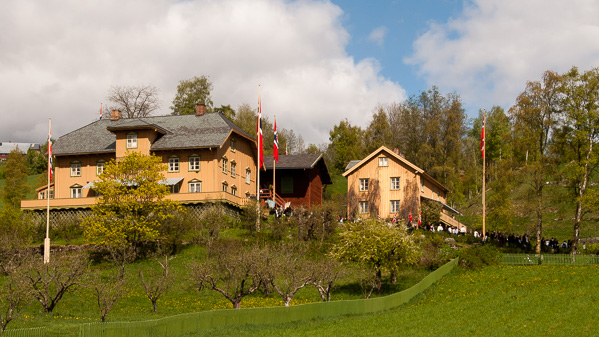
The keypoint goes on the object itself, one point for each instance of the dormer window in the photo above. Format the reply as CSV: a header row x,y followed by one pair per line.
x,y
132,140
76,191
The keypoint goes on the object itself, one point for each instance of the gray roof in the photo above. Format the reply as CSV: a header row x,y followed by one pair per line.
x,y
6,147
178,132
299,161
351,164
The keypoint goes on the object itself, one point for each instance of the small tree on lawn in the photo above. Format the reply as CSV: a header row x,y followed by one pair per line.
x,y
49,282
156,282
108,290
15,295
325,272
133,203
233,271
375,245
290,271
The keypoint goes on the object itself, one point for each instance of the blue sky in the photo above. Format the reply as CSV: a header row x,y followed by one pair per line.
x,y
317,62
386,30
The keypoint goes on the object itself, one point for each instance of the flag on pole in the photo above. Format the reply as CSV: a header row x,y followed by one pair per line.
x,y
259,132
275,149
419,219
286,148
482,138
410,217
100,111
50,161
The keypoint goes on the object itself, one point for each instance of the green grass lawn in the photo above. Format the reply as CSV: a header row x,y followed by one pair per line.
x,y
495,301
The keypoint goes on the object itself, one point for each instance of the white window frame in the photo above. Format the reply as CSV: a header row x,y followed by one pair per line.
x,y
76,169
76,192
395,184
234,190
132,140
194,163
364,184
225,164
233,168
363,207
394,206
173,164
195,186
225,187
248,176
383,161
100,167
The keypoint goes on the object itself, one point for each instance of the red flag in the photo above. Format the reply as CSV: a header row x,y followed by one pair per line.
x,y
419,219
50,161
286,148
482,139
100,111
259,132
275,149
410,218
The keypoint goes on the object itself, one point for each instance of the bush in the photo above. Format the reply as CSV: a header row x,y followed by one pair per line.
x,y
478,256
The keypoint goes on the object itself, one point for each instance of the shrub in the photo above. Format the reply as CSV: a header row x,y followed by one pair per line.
x,y
478,256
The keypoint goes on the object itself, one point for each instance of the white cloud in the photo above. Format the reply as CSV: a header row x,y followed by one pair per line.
x,y
59,58
378,35
493,48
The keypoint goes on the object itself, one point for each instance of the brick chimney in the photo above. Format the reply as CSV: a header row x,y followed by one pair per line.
x,y
396,151
115,115
200,109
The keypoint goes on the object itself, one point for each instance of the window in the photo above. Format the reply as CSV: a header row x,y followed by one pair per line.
x,y
248,175
42,195
174,188
233,169
76,191
394,206
363,207
394,183
234,190
194,163
132,140
225,165
383,161
225,187
76,169
99,167
173,164
364,184
287,184
195,186
233,145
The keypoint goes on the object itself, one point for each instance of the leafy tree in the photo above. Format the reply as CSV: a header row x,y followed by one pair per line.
x,y
134,101
15,186
374,244
133,205
577,136
36,162
346,145
226,110
190,93
378,132
535,115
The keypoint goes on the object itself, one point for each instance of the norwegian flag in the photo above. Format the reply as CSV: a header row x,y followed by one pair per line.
x,y
419,219
275,149
395,218
50,161
259,133
482,138
410,217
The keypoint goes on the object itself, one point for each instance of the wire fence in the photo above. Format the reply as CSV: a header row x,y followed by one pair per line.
x,y
185,324
25,332
550,259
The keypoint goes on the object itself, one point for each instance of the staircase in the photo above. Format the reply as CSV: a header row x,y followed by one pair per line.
x,y
268,194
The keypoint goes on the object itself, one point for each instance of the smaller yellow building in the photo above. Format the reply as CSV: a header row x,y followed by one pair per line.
x,y
385,184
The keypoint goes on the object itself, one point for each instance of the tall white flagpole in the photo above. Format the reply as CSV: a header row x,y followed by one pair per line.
x,y
47,239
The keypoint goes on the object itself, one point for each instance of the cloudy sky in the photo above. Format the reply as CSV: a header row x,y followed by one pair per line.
x,y
317,62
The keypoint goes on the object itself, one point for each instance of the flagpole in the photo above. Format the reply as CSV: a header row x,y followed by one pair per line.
x,y
258,161
47,239
484,183
274,166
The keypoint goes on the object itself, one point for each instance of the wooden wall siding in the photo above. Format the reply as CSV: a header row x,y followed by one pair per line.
x,y
210,173
307,186
380,179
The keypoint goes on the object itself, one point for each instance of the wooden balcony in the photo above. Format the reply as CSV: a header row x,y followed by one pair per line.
x,y
184,198
451,221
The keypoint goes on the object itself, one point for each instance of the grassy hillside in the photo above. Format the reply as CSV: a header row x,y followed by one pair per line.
x,y
32,181
496,301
